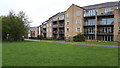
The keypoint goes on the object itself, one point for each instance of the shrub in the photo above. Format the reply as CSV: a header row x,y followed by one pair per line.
x,y
79,37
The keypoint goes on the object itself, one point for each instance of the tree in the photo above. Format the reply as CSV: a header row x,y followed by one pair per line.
x,y
14,27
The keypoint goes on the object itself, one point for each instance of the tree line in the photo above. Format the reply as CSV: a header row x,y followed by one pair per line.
x,y
15,26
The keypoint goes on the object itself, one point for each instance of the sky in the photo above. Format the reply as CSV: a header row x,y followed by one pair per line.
x,y
40,10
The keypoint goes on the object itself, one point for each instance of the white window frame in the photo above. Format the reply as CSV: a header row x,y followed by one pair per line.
x,y
68,30
106,10
77,29
67,23
78,21
50,30
50,35
67,15
50,23
47,25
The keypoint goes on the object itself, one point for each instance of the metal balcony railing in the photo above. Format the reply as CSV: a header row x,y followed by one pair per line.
x,y
92,24
88,15
87,32
105,33
62,17
55,32
43,26
106,13
55,26
105,23
43,31
61,32
61,25
55,19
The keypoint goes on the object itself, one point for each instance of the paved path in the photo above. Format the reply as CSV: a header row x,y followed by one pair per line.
x,y
76,43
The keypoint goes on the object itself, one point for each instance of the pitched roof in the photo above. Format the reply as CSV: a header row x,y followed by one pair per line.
x,y
103,5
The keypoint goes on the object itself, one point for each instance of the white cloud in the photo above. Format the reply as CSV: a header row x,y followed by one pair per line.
x,y
41,10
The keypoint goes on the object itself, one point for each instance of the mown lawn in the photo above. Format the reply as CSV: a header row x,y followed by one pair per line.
x,y
56,54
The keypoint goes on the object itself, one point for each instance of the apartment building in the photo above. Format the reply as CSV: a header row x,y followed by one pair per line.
x,y
99,22
44,29
33,32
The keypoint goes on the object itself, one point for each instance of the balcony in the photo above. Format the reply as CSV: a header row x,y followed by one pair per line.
x,y
43,31
104,33
89,25
88,32
105,23
61,32
62,25
55,32
106,13
55,19
43,26
89,15
62,17
55,26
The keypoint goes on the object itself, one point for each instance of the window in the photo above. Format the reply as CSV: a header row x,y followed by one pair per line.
x,y
67,23
107,21
119,19
50,35
119,29
50,23
90,22
107,38
78,13
78,21
90,30
91,12
90,37
67,29
107,10
78,30
67,15
106,30
50,30
47,25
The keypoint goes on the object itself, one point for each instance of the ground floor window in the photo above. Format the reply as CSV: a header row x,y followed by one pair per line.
x,y
106,38
90,37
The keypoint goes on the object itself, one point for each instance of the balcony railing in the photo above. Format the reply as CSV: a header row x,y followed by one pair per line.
x,y
55,19
106,13
62,25
92,24
43,26
62,17
88,15
87,32
55,32
61,32
101,13
43,31
105,33
106,23
55,26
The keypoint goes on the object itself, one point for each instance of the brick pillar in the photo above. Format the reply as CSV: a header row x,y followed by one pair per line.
x,y
96,22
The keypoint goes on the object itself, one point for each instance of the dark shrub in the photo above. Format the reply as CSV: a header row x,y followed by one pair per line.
x,y
79,37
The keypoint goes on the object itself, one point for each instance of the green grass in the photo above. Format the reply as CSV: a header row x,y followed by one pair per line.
x,y
0,53
56,54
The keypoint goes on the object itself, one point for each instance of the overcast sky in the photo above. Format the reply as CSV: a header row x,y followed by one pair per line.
x,y
40,10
